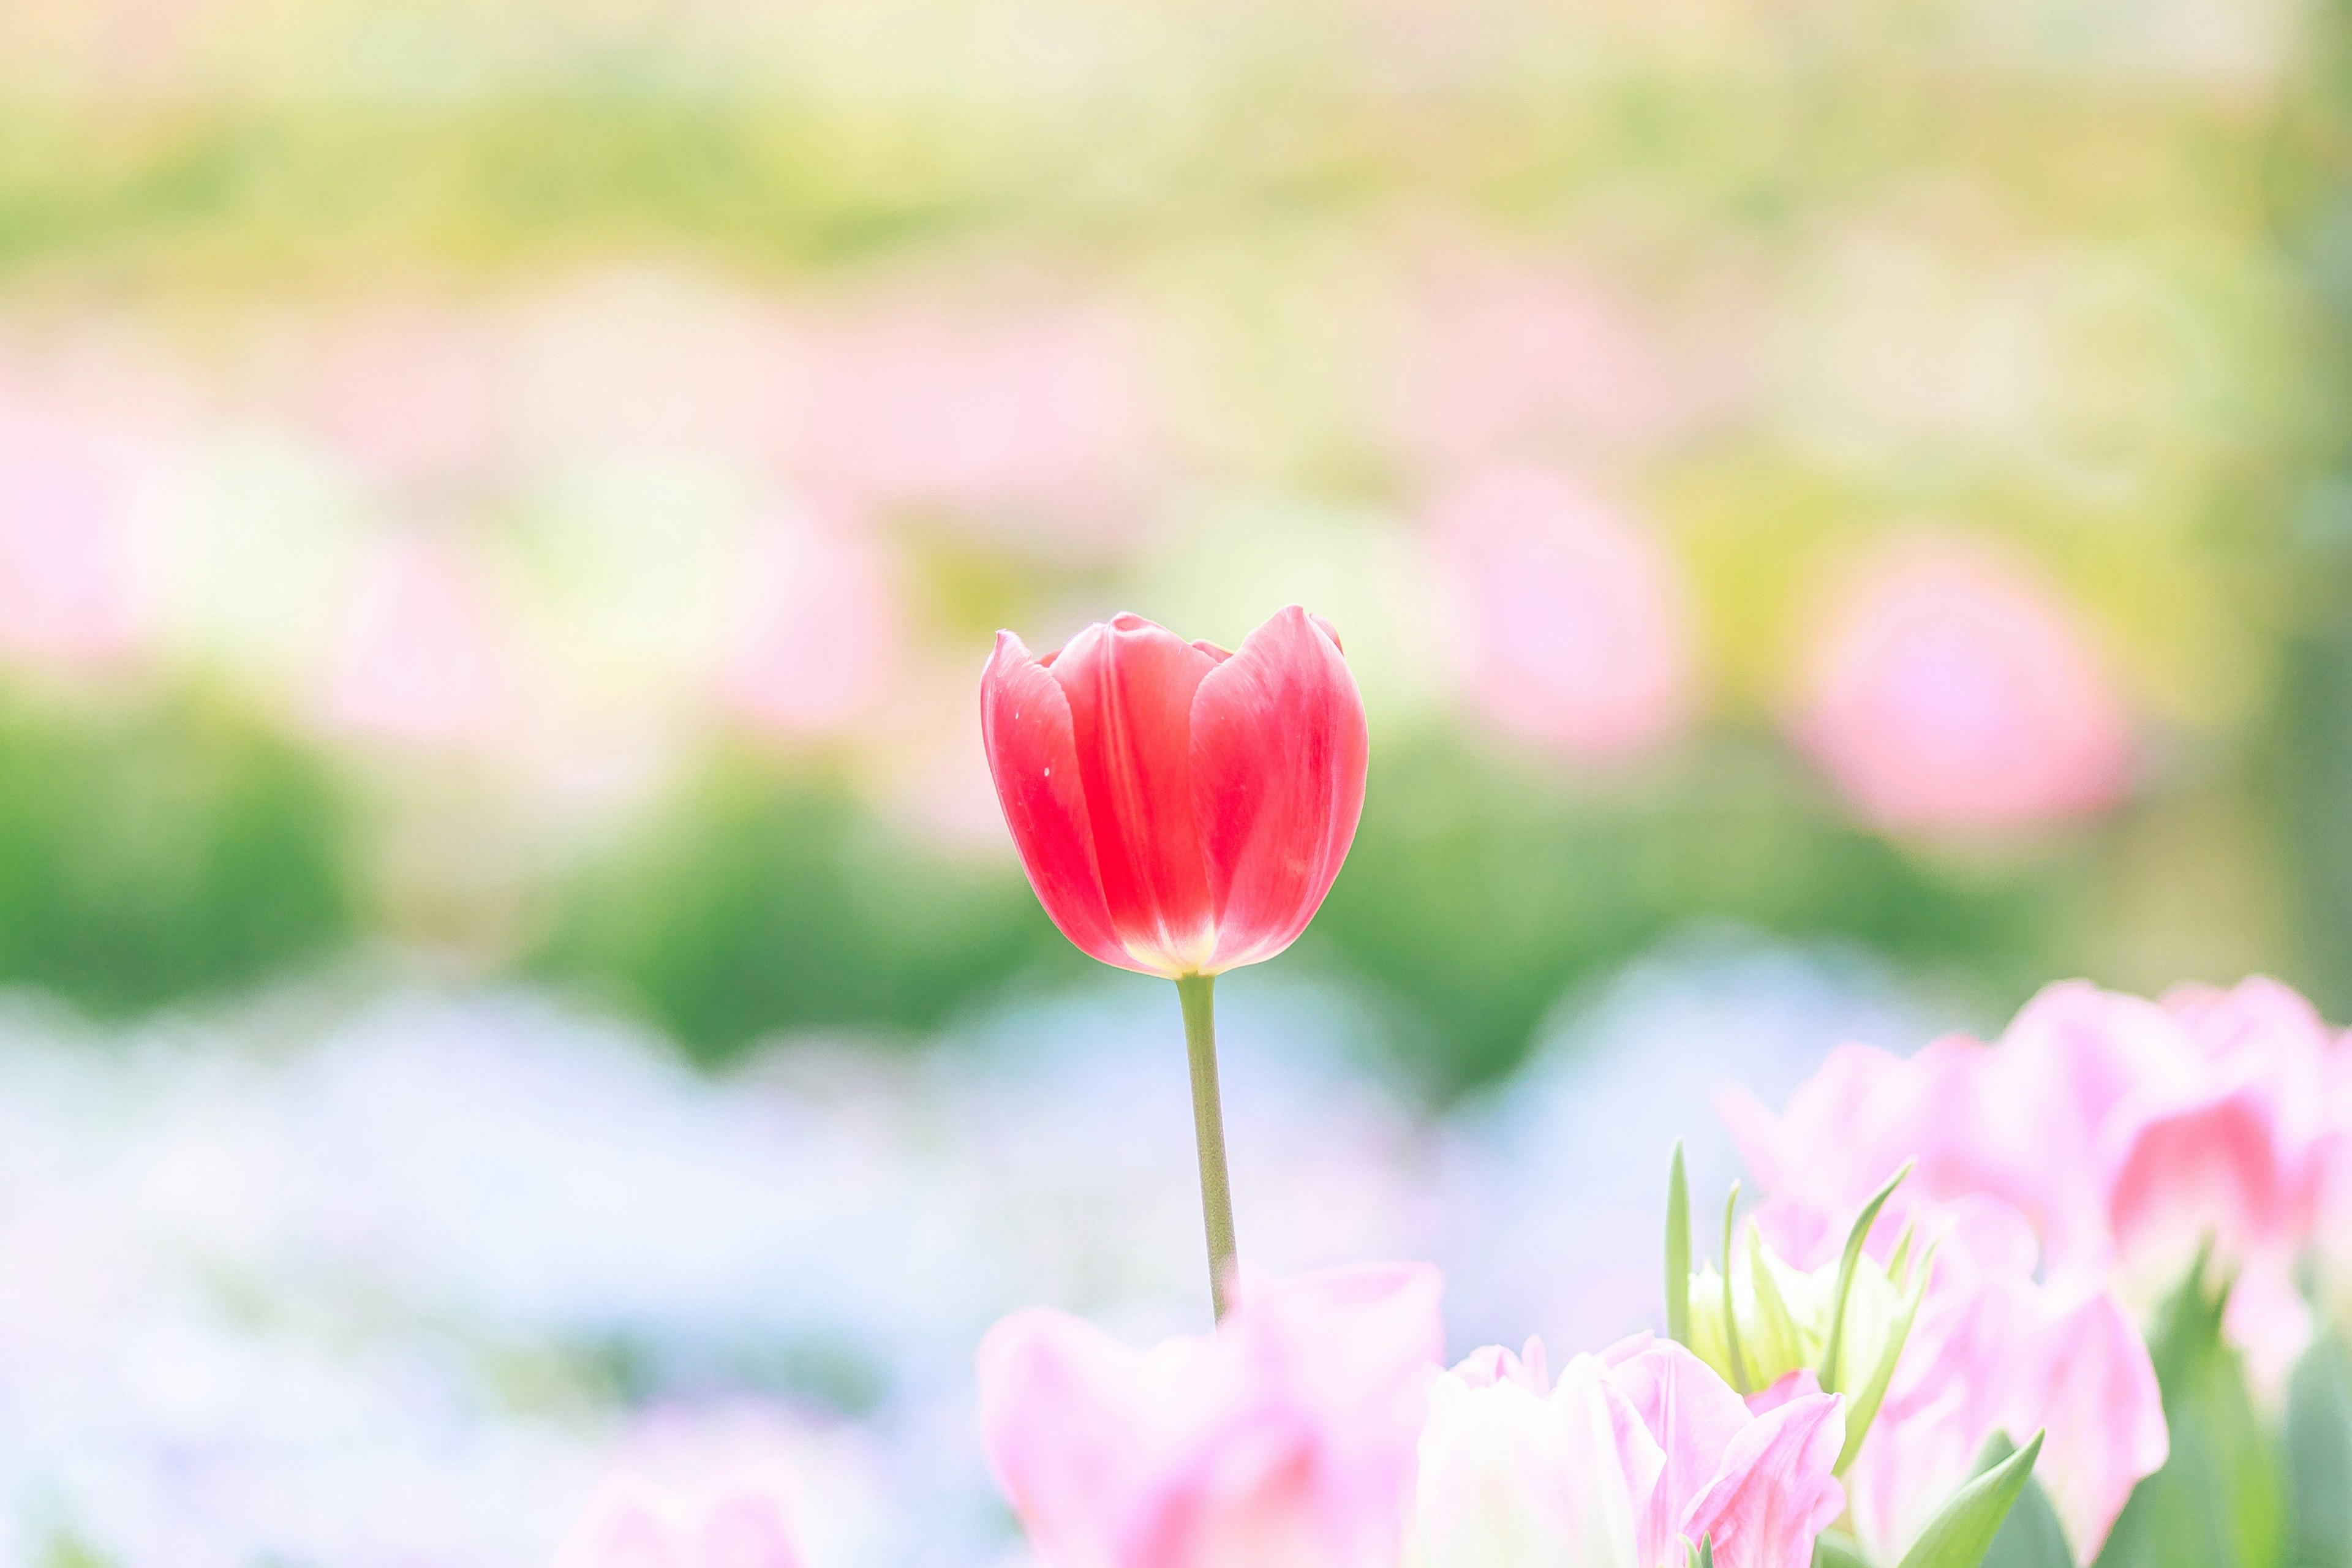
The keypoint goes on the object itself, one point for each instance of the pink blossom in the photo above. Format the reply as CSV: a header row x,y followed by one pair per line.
x,y
426,656
1945,689
412,392
739,1522
1285,1438
815,643
1994,1351
2129,1133
72,491
1635,1456
1571,621
942,407
1506,356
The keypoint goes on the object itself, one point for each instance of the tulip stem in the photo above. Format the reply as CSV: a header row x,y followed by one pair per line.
x,y
1197,991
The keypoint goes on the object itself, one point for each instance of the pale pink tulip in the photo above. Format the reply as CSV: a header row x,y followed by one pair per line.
x,y
412,392
735,1523
1638,1454
1948,691
72,491
1999,1352
1571,621
2130,1135
1284,1440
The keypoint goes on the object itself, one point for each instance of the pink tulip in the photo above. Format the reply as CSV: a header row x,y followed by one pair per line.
x,y
1284,1440
2130,1135
1636,1455
1947,690
1181,810
1999,1352
72,489
745,1522
1571,620
817,639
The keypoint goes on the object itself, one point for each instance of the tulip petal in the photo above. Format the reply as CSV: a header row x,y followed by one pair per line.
x,y
1691,1414
1279,749
1026,728
1130,686
1774,1491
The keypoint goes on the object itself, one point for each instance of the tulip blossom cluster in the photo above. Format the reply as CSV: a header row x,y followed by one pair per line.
x,y
1316,1428
2127,1136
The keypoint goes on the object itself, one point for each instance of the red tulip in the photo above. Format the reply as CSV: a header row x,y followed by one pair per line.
x,y
1181,810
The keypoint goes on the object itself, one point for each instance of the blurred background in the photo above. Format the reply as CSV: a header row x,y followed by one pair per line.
x,y
1840,513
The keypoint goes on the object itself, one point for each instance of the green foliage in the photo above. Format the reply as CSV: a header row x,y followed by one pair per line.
x,y
1836,1548
2030,1537
2319,1456
768,902
2216,1502
172,850
1963,1530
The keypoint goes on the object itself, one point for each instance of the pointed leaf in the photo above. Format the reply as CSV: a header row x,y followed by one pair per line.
x,y
2030,1537
1960,1535
1836,1548
1677,1250
1861,1409
1847,1264
2319,1454
1739,1378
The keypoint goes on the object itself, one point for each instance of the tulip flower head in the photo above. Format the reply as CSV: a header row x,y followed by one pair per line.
x,y
1285,1439
1635,1456
1180,811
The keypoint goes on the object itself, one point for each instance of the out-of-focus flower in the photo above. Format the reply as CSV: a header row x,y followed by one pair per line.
x,y
1781,1317
1180,810
1946,691
412,394
1040,415
1507,357
1570,620
1634,1457
74,493
426,658
738,1522
815,643
2130,1133
1288,1436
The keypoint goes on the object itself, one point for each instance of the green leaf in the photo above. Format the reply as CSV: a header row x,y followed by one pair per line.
x,y
2319,1456
1960,1535
1702,1554
1739,1379
1836,1548
1861,1409
2030,1537
1677,1250
1846,1266
2217,1502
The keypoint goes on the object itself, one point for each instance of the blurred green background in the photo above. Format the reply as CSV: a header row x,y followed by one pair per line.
x,y
518,488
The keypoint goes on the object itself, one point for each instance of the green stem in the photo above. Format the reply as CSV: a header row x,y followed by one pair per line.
x,y
1196,992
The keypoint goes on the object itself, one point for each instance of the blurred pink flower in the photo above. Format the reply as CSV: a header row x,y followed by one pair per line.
x,y
2130,1133
1637,1455
1503,357
425,657
71,490
1026,411
412,392
1571,620
741,1522
1286,1438
1943,689
815,645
